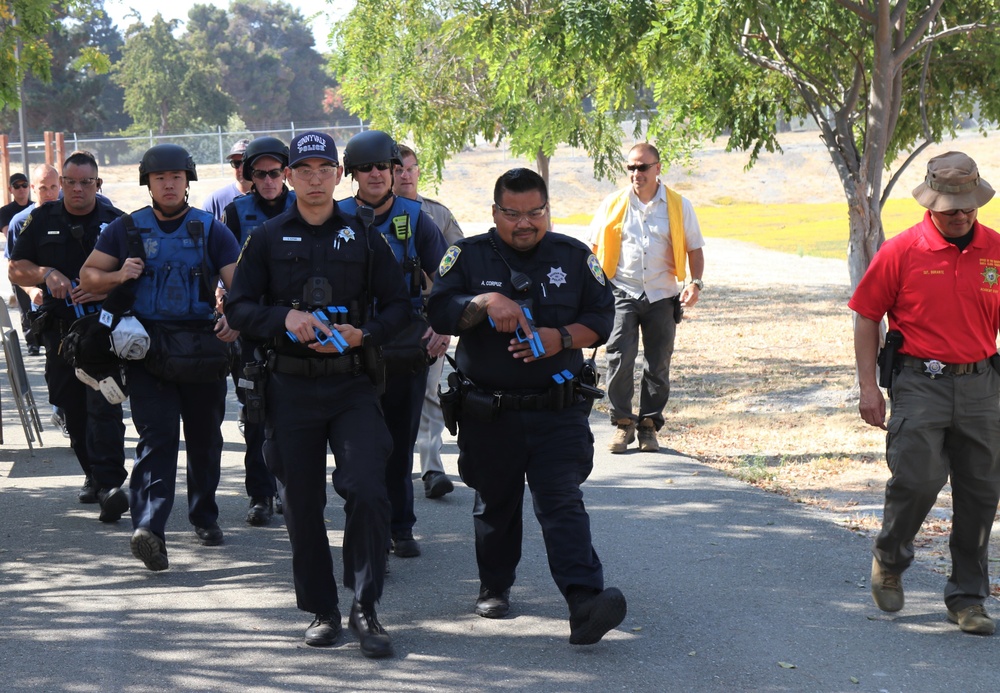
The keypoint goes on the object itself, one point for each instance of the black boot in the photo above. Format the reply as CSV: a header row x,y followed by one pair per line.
x,y
374,640
593,613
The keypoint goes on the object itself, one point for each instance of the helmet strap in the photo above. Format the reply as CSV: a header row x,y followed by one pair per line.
x,y
375,205
183,209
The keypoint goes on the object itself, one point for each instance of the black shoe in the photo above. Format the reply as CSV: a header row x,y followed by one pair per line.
x,y
405,546
209,536
88,492
374,640
279,507
150,549
493,603
593,614
34,350
114,504
260,512
324,630
437,484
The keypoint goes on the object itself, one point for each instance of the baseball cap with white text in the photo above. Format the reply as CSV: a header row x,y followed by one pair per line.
x,y
312,145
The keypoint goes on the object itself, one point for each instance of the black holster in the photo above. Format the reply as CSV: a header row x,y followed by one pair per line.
x,y
374,367
888,358
451,403
253,381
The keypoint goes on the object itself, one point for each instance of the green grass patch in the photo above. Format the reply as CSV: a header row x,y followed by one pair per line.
x,y
819,230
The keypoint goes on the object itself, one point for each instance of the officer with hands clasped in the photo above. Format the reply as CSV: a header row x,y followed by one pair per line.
x,y
53,244
523,410
176,253
312,262
264,162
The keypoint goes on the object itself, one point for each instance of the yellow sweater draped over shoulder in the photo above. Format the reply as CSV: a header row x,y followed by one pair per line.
x,y
609,243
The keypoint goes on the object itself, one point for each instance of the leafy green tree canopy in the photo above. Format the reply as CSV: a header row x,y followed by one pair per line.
x,y
534,73
166,87
26,28
881,79
263,55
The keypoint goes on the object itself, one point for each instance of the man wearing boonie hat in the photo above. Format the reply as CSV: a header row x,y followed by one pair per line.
x,y
939,283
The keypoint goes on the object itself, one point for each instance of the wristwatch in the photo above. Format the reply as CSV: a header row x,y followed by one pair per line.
x,y
567,338
699,283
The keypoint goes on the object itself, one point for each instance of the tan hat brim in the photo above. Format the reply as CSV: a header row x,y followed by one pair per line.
x,y
937,201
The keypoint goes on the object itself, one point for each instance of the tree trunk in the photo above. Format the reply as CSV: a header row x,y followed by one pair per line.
x,y
866,233
542,164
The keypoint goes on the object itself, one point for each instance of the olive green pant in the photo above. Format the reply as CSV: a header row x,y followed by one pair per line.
x,y
948,426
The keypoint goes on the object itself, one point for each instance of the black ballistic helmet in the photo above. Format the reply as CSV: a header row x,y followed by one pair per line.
x,y
263,146
166,157
371,147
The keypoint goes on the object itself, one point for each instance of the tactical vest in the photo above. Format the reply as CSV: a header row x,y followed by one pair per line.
x,y
251,215
172,285
398,229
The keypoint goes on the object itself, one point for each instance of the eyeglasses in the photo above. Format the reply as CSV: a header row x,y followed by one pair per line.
x,y
19,185
953,212
236,163
366,168
323,172
515,215
261,175
409,170
642,168
83,182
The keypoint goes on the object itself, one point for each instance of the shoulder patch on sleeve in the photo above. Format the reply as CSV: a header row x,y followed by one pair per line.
x,y
448,260
595,269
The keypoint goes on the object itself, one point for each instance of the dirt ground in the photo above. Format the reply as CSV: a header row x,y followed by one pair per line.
x,y
762,376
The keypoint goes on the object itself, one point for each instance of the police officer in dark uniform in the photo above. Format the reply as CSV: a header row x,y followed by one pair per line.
x,y
50,250
177,254
522,413
314,256
418,245
264,163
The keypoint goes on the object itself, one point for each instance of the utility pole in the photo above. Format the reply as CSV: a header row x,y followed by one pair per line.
x,y
20,107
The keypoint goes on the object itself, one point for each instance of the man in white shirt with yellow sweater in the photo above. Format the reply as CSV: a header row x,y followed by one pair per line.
x,y
645,237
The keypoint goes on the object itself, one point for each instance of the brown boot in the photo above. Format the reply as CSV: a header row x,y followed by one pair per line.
x,y
623,437
647,436
887,588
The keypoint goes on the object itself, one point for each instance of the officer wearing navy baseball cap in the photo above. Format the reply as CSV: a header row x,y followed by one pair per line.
x,y
321,273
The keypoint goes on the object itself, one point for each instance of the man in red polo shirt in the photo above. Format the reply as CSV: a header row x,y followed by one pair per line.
x,y
939,283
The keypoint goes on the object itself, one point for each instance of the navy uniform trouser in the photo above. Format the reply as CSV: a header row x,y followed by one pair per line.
x,y
259,480
305,417
401,404
948,426
554,452
95,426
158,407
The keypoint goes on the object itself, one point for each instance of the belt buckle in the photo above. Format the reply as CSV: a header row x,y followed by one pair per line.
x,y
934,368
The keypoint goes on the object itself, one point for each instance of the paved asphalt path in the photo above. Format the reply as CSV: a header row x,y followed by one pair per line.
x,y
729,589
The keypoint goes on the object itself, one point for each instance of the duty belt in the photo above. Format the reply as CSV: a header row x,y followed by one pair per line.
x,y
315,367
933,368
499,400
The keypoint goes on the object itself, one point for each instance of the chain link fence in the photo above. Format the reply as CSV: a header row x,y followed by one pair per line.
x,y
207,148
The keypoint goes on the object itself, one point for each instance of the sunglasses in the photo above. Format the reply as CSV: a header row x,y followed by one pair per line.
x,y
236,163
366,168
953,212
261,175
19,185
642,168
